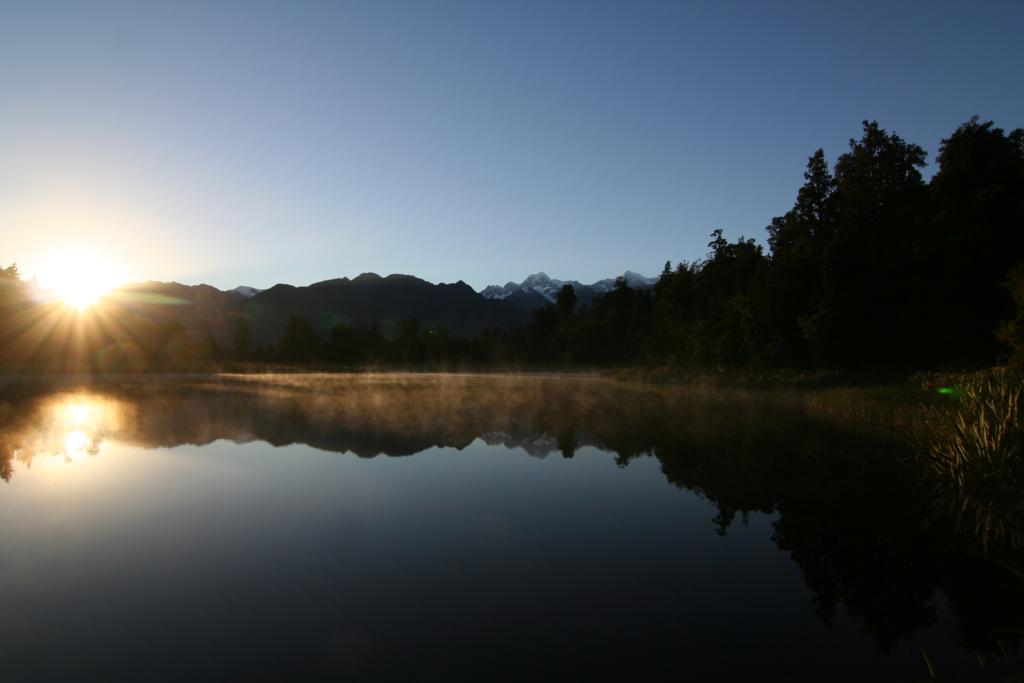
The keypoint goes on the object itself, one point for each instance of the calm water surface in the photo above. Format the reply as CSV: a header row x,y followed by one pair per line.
x,y
469,528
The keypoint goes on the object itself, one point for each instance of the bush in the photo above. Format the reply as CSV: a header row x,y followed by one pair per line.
x,y
976,458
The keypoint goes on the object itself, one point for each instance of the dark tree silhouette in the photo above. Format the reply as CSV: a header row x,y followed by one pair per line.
x,y
566,301
798,240
870,269
242,339
299,341
978,207
1012,331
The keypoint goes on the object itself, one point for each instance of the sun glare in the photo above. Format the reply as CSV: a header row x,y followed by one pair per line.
x,y
80,278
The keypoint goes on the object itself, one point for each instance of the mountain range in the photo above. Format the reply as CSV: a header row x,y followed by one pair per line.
x,y
547,287
366,299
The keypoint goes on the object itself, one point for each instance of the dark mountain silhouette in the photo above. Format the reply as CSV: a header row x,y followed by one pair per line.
x,y
527,300
370,298
366,299
201,308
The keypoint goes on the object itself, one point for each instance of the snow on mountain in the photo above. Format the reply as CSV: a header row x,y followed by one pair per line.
x,y
634,280
548,287
246,292
540,283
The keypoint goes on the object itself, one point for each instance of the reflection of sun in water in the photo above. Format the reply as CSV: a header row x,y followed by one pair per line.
x,y
80,277
64,428
78,413
76,445
71,427
81,417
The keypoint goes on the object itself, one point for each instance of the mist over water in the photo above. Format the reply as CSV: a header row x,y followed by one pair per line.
x,y
263,528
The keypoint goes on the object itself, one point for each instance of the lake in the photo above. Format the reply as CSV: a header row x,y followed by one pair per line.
x,y
470,527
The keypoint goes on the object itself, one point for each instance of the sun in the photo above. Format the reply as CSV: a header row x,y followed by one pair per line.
x,y
80,277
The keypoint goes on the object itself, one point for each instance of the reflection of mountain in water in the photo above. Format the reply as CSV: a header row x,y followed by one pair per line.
x,y
847,509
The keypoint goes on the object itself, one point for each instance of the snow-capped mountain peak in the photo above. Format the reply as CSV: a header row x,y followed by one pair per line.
x,y
244,291
547,286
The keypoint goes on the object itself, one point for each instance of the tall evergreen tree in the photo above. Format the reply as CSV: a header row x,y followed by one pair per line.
x,y
977,238
871,266
798,241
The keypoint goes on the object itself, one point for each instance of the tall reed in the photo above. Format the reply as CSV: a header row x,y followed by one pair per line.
x,y
974,456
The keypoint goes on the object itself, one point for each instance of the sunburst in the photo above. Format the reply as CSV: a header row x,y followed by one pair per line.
x,y
80,277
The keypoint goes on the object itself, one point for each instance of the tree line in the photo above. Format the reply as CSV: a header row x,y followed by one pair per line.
x,y
872,268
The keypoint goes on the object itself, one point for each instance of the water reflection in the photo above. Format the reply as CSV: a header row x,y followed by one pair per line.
x,y
66,425
844,507
729,437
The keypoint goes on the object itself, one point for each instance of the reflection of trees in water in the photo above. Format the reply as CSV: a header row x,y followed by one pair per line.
x,y
66,424
848,513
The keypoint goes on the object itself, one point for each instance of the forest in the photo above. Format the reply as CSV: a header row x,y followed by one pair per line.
x,y
873,269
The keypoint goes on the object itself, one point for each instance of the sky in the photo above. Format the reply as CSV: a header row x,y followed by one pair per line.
x,y
262,142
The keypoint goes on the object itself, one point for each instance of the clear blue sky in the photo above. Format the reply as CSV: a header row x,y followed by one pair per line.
x,y
255,143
